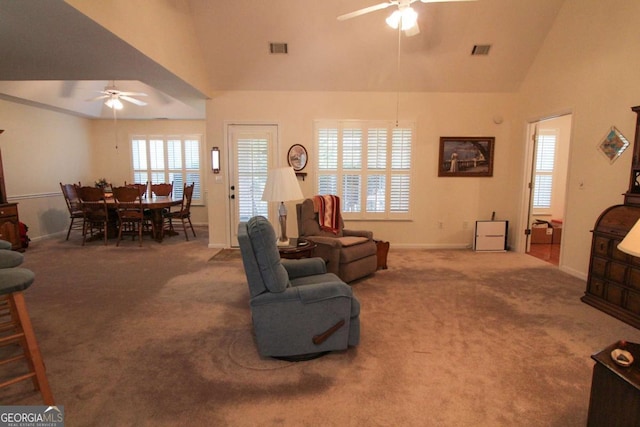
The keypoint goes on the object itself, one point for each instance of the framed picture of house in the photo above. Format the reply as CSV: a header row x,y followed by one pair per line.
x,y
466,156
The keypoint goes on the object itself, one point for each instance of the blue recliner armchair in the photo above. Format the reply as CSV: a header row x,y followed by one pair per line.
x,y
297,308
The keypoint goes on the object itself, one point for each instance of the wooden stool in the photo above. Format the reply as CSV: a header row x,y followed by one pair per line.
x,y
15,327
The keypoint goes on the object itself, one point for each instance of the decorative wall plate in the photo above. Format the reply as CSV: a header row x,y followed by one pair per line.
x,y
613,144
297,157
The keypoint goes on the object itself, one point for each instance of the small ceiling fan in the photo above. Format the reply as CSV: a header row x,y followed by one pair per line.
x,y
404,17
114,97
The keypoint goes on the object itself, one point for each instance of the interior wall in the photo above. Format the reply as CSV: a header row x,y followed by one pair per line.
x,y
114,164
456,202
588,66
40,149
178,50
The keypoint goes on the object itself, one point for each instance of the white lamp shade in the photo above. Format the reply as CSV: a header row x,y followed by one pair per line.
x,y
631,242
282,185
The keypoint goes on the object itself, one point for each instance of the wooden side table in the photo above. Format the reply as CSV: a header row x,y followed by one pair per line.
x,y
615,390
299,248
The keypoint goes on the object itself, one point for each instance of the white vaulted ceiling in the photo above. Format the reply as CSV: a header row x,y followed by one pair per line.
x,y
53,55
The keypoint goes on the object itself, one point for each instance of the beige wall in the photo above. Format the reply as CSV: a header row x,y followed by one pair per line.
x,y
40,149
458,202
162,29
588,65
115,164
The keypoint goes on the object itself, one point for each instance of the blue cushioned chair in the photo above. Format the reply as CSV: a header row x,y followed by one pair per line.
x,y
297,308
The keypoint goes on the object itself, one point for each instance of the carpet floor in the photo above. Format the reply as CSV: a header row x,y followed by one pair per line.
x,y
161,335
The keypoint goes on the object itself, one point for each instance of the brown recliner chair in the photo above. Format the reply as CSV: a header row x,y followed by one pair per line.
x,y
350,254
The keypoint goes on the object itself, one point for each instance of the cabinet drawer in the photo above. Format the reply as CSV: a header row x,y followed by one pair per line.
x,y
614,294
633,302
596,287
8,211
634,278
616,253
617,272
599,267
601,246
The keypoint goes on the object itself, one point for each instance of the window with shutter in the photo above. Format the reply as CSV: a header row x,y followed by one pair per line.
x,y
367,164
544,167
176,159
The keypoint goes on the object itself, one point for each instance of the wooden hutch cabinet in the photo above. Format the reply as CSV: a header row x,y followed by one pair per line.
x,y
613,283
9,222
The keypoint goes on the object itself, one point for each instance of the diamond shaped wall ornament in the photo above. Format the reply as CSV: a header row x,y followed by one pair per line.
x,y
613,144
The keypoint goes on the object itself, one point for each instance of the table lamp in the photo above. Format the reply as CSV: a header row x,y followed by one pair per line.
x,y
631,242
282,186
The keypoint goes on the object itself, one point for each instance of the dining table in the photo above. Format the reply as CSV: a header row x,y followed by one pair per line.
x,y
156,205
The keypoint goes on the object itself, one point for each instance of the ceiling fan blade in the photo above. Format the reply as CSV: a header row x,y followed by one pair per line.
x,y
132,100
98,97
133,94
367,10
442,1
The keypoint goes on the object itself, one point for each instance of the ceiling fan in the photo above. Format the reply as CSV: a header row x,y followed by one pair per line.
x,y
114,97
404,17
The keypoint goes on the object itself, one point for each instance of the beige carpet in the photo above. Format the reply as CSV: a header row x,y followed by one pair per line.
x,y
160,336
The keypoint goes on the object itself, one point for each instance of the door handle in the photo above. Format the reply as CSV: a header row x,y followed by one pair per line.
x,y
233,187
233,196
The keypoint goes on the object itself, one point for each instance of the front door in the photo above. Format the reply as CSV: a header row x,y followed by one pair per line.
x,y
252,150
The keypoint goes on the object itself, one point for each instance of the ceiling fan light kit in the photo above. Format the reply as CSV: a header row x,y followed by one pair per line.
x,y
114,103
114,97
406,18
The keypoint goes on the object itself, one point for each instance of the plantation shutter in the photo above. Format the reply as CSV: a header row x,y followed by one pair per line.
x,y
400,170
367,164
252,160
376,170
328,161
168,159
544,166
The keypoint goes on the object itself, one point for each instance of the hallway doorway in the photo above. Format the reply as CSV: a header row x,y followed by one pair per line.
x,y
549,147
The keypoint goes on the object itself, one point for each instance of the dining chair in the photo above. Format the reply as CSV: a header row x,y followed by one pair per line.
x,y
163,189
73,205
142,188
184,214
94,211
131,217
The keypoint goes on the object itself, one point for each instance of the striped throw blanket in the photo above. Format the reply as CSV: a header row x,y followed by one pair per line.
x,y
328,208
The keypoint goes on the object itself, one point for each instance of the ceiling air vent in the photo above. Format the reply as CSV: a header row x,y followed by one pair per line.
x,y
278,47
481,49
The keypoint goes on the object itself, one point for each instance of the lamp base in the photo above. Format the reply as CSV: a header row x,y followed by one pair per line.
x,y
281,243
